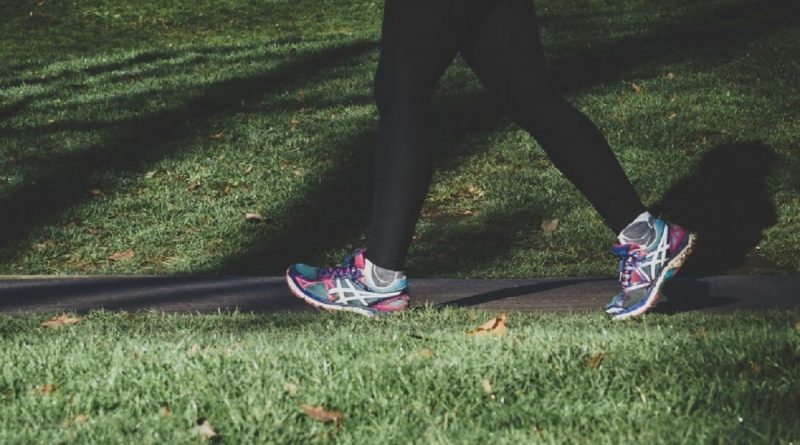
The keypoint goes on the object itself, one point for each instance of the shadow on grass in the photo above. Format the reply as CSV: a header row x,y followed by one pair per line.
x,y
160,135
726,202
146,140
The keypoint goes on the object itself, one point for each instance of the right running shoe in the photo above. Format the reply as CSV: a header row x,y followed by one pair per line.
x,y
643,270
343,288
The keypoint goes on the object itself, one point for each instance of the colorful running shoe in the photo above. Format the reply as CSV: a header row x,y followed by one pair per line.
x,y
644,270
343,288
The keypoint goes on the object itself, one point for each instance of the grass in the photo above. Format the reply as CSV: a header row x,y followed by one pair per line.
x,y
416,378
154,129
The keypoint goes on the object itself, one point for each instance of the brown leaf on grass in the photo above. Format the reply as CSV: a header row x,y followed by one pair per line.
x,y
254,217
121,256
61,320
425,353
226,189
701,333
321,414
77,420
294,123
672,116
204,429
549,225
487,386
636,88
150,174
216,136
163,410
193,186
80,418
290,388
248,169
44,245
756,368
797,326
495,326
47,388
594,361
670,76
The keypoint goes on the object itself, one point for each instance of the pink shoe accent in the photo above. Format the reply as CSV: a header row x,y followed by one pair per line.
x,y
677,235
397,303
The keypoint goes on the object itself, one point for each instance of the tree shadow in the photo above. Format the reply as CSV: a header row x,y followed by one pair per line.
x,y
150,138
303,237
726,202
307,235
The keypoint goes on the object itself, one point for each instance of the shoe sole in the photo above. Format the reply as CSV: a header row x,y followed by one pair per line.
x,y
669,271
328,307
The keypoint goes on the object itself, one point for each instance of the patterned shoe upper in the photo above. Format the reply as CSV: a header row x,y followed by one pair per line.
x,y
343,284
640,267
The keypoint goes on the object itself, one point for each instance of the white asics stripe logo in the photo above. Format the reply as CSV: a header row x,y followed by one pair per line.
x,y
656,258
344,292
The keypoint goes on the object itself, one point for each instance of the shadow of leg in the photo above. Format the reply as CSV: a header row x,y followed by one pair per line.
x,y
726,202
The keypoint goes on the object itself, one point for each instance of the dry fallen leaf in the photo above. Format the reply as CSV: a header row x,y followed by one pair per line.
x,y
163,410
61,320
321,414
672,115
636,88
294,123
80,418
47,388
150,174
193,186
121,256
670,76
248,169
594,361
487,386
425,353
205,430
194,349
254,217
495,326
797,326
549,225
290,388
756,368
216,135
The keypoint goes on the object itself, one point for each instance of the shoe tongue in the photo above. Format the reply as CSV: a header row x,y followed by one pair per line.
x,y
358,259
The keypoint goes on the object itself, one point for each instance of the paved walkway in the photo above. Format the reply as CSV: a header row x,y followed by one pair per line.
x,y
270,294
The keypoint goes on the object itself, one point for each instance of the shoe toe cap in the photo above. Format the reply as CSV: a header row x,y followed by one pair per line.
x,y
306,271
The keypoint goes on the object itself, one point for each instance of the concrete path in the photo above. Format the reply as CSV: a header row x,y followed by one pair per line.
x,y
270,294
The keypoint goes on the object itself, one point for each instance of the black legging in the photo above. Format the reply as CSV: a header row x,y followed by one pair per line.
x,y
499,40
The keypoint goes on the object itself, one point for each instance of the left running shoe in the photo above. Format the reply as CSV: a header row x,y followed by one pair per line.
x,y
643,270
343,288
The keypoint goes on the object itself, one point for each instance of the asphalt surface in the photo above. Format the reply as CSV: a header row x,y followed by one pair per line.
x,y
270,294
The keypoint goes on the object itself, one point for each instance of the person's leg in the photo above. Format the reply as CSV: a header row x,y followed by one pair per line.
x,y
506,54
420,38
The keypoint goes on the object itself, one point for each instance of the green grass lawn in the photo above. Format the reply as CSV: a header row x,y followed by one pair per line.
x,y
415,378
152,129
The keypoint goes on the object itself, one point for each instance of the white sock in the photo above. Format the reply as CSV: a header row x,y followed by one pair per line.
x,y
377,277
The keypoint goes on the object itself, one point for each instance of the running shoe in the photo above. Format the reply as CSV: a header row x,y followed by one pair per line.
x,y
643,270
343,288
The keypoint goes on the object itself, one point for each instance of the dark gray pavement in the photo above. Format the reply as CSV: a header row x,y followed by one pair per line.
x,y
270,294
